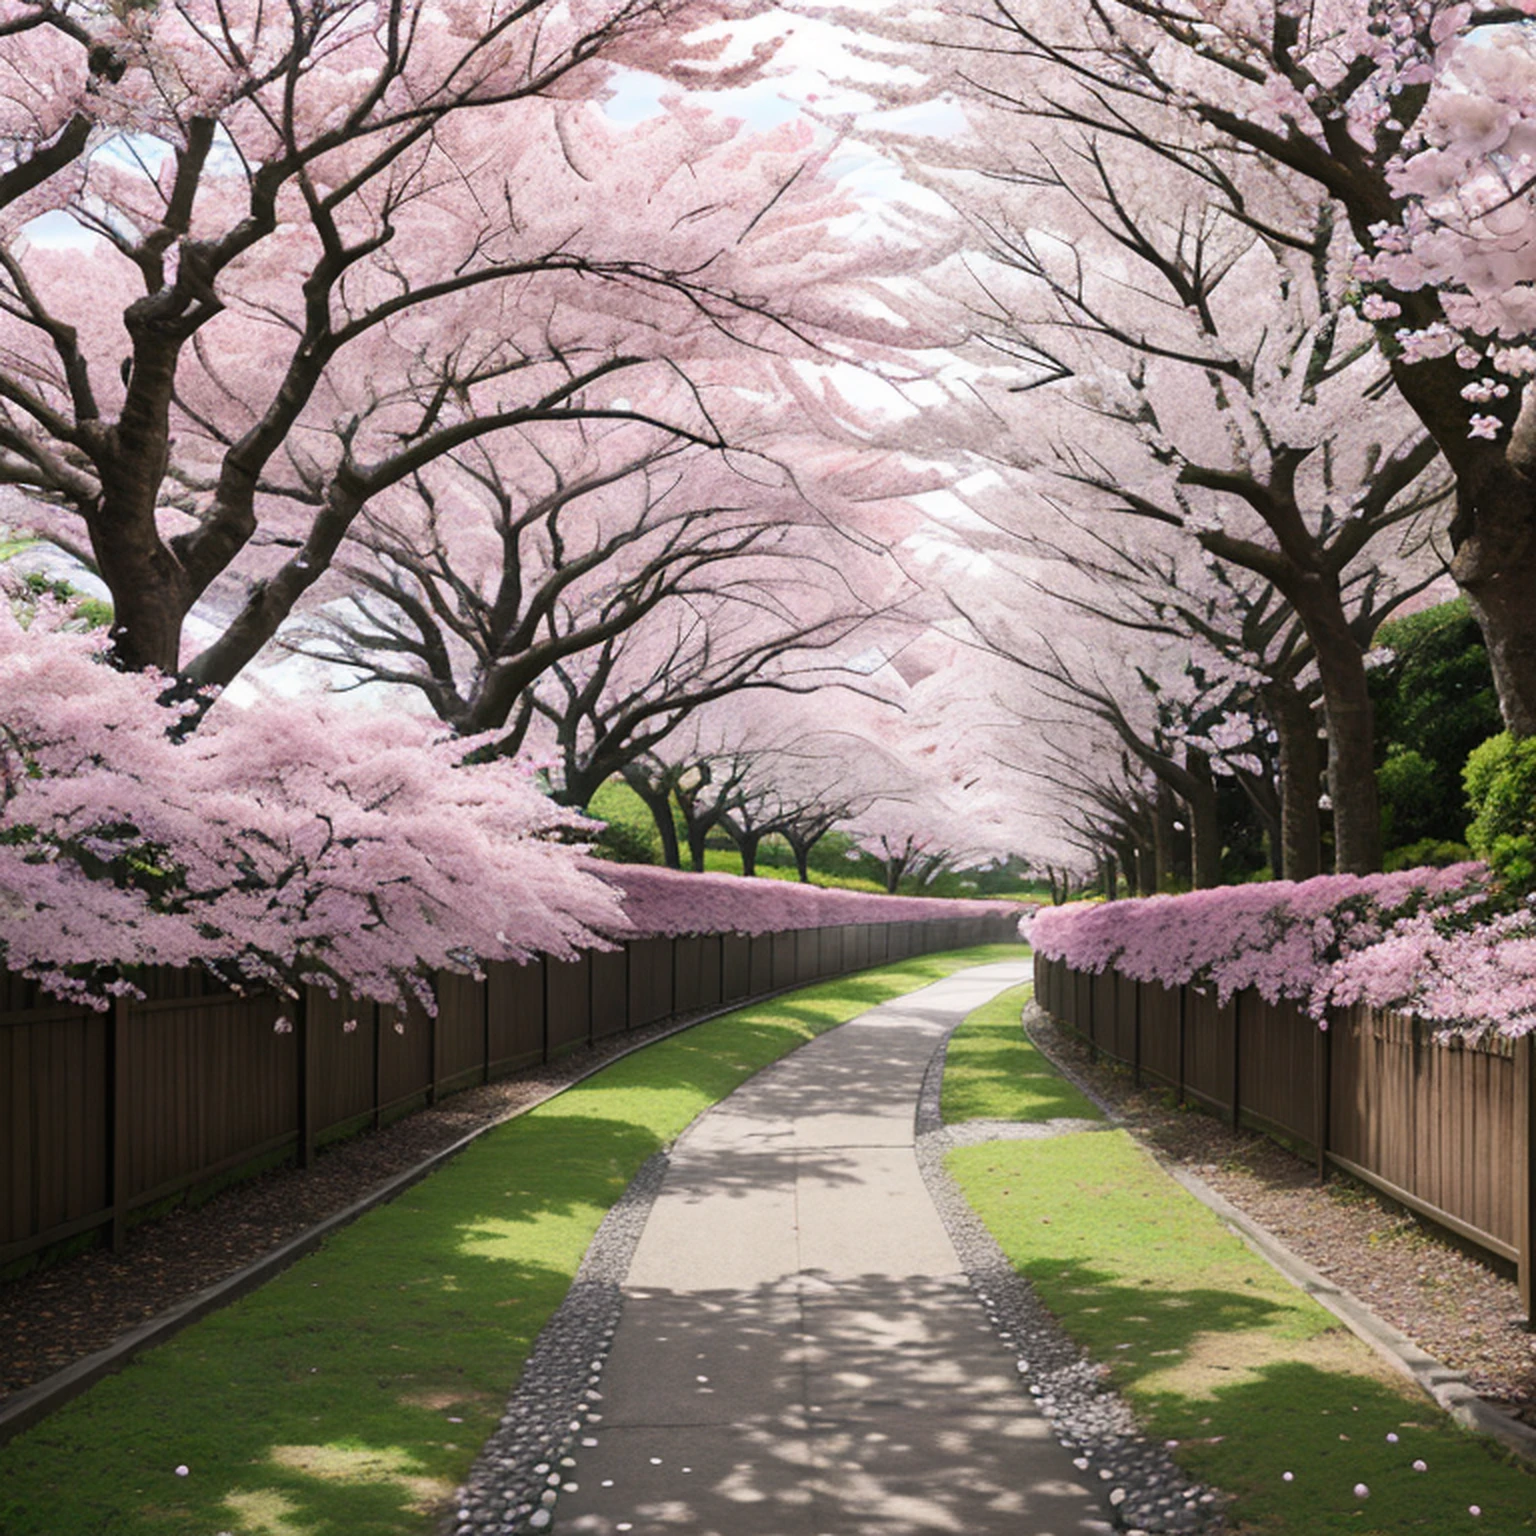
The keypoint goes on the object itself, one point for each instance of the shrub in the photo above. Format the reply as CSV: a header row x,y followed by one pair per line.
x,y
621,843
1427,853
1500,780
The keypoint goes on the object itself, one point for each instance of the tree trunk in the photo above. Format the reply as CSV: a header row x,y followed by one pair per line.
x,y
1351,755
1493,533
1146,869
1130,857
802,852
1301,768
659,804
747,844
1204,821
1264,796
1164,839
1498,575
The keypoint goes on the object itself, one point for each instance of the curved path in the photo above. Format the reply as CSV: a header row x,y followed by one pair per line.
x,y
800,1352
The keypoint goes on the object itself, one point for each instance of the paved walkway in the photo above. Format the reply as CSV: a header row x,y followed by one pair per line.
x,y
800,1353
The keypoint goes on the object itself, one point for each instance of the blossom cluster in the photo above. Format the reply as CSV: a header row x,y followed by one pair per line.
x,y
294,840
1433,942
666,903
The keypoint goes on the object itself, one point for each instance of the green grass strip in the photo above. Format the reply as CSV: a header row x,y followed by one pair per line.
x,y
349,1396
992,1072
1220,1353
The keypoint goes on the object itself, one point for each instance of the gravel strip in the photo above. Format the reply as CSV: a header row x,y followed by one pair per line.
x,y
1147,1490
518,1475
1452,1302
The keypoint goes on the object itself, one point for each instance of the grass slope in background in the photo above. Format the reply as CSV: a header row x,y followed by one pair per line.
x,y
1215,1349
835,862
349,1396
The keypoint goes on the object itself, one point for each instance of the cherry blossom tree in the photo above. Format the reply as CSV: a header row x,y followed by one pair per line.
x,y
609,706
1415,120
514,555
1212,384
334,244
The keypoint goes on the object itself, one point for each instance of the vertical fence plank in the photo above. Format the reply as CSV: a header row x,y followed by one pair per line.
x,y
1183,1040
434,1049
378,1065
308,1077
1525,1102
1322,1094
1136,1033
117,1136
1237,1059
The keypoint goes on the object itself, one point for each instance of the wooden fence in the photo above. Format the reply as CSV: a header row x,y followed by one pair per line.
x,y
1447,1129
103,1114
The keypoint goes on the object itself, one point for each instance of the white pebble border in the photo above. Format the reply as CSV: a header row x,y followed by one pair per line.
x,y
516,1480
1148,1493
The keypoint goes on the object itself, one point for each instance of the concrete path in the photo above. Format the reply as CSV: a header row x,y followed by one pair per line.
x,y
800,1353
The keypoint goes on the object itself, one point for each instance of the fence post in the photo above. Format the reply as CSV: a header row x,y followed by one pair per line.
x,y
378,1063
629,965
1135,1032
1081,981
117,1129
1322,1092
307,1076
544,1008
435,1035
485,1026
1237,1035
1183,1029
1526,1178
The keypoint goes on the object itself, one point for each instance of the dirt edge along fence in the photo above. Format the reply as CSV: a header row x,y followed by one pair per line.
x,y
1447,1129
104,1116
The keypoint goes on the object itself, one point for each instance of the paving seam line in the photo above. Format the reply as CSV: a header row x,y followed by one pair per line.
x,y
1447,1387
1148,1491
21,1410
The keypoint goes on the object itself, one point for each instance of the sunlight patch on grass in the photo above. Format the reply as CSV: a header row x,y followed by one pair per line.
x,y
1210,1363
354,1464
266,1513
